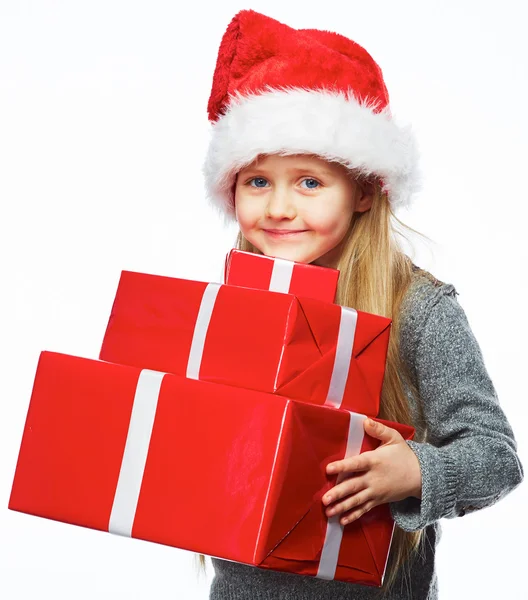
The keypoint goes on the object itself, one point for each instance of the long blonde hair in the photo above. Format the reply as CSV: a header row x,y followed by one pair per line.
x,y
375,274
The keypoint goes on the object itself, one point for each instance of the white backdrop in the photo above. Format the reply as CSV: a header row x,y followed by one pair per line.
x,y
103,129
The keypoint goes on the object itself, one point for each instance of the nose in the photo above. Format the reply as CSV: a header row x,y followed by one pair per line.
x,y
280,205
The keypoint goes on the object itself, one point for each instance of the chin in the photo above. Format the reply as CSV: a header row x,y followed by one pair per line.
x,y
290,254
301,253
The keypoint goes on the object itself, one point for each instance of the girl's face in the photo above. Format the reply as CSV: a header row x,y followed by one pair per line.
x,y
297,207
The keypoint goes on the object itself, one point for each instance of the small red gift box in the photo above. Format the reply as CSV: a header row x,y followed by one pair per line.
x,y
247,269
223,471
297,347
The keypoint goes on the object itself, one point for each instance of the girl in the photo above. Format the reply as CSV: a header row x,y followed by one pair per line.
x,y
307,158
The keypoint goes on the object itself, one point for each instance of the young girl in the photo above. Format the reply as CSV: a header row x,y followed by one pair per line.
x,y
306,157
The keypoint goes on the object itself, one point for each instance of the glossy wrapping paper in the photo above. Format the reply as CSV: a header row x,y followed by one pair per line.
x,y
227,472
254,339
247,269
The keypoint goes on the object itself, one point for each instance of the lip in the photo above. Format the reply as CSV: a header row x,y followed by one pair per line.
x,y
284,233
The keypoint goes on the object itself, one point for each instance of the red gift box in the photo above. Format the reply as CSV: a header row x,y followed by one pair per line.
x,y
261,272
271,342
223,471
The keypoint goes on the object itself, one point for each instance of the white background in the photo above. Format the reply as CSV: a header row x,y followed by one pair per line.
x,y
103,129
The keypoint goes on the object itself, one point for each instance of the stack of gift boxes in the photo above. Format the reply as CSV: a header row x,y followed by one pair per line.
x,y
208,421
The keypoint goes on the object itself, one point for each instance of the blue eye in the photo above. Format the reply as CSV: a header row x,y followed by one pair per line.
x,y
259,181
311,181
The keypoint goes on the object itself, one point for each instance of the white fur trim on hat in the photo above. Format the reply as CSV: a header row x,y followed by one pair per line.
x,y
322,122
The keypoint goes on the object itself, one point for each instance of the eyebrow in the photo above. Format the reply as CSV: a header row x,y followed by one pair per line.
x,y
296,170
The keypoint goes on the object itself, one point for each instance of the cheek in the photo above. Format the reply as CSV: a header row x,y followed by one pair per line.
x,y
329,221
247,212
248,226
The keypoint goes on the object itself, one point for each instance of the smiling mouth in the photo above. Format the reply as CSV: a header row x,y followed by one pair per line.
x,y
284,232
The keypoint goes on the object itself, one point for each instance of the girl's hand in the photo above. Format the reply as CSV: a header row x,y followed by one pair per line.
x,y
387,474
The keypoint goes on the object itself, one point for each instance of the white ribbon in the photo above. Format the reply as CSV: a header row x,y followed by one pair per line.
x,y
334,529
345,344
200,330
281,275
135,454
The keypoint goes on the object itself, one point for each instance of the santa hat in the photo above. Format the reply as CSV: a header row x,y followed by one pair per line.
x,y
278,90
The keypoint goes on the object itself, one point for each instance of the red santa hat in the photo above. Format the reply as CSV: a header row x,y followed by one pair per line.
x,y
278,90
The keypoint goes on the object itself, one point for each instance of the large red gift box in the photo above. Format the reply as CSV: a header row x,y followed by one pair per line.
x,y
227,472
262,272
302,348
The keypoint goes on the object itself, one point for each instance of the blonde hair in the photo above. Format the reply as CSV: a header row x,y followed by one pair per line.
x,y
375,273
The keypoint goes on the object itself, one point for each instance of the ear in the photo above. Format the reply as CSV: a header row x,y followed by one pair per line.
x,y
364,196
233,192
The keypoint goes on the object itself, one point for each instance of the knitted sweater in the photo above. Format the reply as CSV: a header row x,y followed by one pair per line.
x,y
464,444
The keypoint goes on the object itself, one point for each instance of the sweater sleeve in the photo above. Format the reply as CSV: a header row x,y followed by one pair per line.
x,y
469,458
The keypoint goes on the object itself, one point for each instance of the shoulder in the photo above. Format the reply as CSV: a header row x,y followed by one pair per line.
x,y
427,305
424,292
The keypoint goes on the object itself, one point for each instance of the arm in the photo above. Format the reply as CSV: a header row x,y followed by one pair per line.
x,y
469,460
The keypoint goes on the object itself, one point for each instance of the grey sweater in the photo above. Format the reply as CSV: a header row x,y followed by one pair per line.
x,y
464,443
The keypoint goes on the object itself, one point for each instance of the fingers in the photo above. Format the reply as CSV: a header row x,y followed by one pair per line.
x,y
358,512
381,432
353,485
350,502
367,460
362,462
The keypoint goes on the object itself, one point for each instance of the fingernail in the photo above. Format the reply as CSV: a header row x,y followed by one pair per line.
x,y
328,499
330,468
